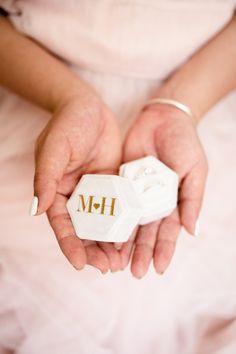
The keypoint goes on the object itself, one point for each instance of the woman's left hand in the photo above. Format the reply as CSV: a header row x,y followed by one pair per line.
x,y
171,136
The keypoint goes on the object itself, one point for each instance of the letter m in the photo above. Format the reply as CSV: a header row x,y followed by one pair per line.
x,y
87,205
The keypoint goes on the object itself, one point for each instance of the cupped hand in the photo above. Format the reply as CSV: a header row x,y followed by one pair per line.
x,y
81,137
171,136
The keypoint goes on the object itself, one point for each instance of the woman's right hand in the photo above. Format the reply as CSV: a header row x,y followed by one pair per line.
x,y
81,137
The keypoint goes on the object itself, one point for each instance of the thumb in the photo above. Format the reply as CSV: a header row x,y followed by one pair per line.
x,y
51,160
135,145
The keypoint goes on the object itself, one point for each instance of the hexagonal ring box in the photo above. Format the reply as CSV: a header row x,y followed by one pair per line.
x,y
109,207
156,186
104,208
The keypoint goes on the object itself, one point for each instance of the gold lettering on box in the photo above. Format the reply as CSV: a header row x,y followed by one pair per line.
x,y
105,207
111,206
84,205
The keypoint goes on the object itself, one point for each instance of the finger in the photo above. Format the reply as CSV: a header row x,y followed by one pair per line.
x,y
51,159
143,251
132,151
112,254
118,245
166,241
70,244
97,257
126,250
135,148
191,196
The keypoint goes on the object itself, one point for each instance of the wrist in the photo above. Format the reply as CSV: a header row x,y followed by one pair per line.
x,y
176,88
170,111
72,90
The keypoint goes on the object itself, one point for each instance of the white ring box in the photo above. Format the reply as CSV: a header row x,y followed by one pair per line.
x,y
156,186
104,208
109,207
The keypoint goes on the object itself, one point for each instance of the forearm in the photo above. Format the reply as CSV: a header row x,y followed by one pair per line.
x,y
207,76
32,72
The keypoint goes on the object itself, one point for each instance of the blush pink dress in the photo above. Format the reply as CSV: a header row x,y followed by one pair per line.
x,y
124,49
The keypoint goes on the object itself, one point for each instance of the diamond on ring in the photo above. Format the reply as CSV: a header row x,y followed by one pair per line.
x,y
147,171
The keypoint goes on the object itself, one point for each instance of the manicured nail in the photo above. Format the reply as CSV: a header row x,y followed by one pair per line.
x,y
136,277
196,230
34,206
118,245
103,271
138,274
78,268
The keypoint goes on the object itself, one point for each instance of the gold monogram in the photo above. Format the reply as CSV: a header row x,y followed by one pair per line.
x,y
88,205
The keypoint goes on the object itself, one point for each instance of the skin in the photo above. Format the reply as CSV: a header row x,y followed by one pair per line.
x,y
171,136
81,137
83,131
89,143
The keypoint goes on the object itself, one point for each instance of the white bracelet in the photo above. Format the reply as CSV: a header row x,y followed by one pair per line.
x,y
171,102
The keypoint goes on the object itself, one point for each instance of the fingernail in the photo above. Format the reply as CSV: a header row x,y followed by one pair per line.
x,y
196,230
136,277
78,268
103,271
118,245
34,206
138,274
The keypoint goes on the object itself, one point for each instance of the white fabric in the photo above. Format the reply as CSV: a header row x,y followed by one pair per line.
x,y
124,49
141,38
